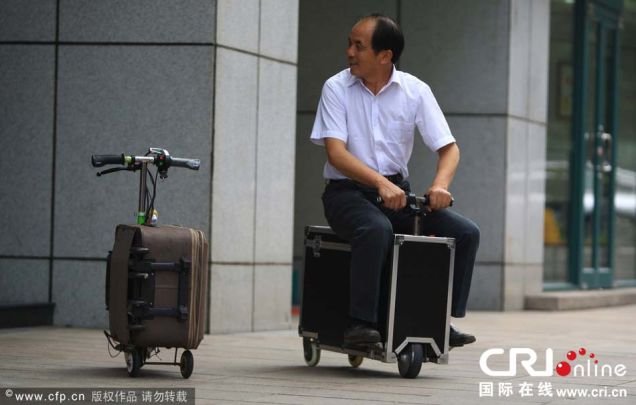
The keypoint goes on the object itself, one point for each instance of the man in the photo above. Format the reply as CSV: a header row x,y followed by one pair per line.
x,y
366,120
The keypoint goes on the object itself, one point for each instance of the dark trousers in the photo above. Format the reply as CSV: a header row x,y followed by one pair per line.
x,y
354,215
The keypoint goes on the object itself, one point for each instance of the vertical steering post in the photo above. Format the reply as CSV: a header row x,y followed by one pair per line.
x,y
141,210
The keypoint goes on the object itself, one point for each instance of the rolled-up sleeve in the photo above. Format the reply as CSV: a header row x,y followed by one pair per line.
x,y
331,120
431,122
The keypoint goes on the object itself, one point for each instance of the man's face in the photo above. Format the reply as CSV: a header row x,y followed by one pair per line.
x,y
363,60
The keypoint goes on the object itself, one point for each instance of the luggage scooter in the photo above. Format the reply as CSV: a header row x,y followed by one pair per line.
x,y
415,298
156,276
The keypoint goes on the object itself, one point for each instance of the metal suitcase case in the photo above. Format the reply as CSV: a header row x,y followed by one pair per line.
x,y
156,291
414,308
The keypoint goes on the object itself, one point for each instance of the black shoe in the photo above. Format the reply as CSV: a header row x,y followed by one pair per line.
x,y
361,333
458,339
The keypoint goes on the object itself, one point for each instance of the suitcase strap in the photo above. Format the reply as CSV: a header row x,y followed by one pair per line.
x,y
144,269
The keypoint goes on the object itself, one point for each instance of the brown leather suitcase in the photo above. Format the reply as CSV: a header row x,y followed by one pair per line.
x,y
156,288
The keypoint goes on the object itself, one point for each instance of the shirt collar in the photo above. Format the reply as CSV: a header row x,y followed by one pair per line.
x,y
395,78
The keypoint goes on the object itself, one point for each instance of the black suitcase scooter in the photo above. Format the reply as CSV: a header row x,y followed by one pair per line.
x,y
415,298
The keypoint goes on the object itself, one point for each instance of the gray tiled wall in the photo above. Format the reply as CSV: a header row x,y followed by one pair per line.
x,y
162,21
24,281
460,49
99,90
486,289
115,99
27,20
26,130
78,294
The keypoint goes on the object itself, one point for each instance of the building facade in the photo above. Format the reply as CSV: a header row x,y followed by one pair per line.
x,y
539,95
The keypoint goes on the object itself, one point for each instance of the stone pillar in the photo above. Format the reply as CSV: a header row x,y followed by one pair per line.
x,y
253,176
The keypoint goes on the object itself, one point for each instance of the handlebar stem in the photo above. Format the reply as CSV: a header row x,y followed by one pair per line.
x,y
141,210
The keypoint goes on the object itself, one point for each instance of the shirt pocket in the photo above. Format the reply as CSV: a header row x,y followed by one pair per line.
x,y
400,132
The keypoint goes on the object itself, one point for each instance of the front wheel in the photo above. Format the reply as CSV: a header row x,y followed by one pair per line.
x,y
410,360
311,351
355,361
133,363
187,364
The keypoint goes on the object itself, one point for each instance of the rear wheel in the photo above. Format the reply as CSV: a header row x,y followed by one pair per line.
x,y
311,351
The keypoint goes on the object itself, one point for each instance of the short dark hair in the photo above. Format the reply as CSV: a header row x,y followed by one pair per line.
x,y
386,35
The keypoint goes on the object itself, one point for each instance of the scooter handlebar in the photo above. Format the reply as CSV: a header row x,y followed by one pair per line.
x,y
412,199
102,160
192,164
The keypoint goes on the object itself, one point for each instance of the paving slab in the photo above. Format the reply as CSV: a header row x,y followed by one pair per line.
x,y
268,367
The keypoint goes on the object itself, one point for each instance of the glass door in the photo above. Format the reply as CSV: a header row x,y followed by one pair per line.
x,y
595,117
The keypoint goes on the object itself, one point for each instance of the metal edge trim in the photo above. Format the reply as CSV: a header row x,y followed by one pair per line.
x,y
430,239
319,228
449,300
410,339
391,320
443,359
344,247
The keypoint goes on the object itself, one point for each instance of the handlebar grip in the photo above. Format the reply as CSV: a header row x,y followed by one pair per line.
x,y
102,160
414,199
192,164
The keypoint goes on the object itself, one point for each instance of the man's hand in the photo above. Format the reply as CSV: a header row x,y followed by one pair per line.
x,y
438,198
393,197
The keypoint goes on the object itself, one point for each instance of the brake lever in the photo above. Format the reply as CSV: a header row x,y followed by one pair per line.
x,y
117,169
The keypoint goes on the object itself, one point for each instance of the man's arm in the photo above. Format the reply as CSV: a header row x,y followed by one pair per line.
x,y
438,194
393,197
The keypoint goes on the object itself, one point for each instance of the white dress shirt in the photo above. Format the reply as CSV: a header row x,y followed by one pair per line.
x,y
379,129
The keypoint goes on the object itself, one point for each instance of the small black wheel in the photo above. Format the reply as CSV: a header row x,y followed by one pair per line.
x,y
187,364
410,360
311,351
143,355
355,361
133,363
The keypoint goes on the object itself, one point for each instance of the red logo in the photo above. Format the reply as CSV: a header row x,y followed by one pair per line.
x,y
564,368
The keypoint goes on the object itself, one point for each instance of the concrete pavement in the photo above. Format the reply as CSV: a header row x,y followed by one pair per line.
x,y
268,367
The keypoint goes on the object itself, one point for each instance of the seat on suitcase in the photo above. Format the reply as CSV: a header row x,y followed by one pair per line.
x,y
157,286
